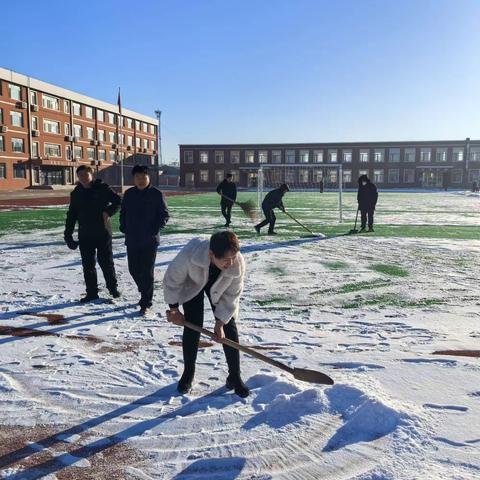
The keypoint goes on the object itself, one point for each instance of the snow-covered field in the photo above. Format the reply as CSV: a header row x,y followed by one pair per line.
x,y
96,399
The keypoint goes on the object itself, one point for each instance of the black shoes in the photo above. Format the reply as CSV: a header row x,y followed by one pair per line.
x,y
185,384
89,297
370,229
257,228
237,384
362,230
272,233
115,293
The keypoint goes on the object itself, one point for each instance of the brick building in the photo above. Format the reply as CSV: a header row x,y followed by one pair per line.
x,y
47,131
435,164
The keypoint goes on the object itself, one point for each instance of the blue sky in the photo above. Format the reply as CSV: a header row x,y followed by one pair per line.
x,y
265,70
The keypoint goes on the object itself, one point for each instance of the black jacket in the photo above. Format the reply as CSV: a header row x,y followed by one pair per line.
x,y
87,206
143,214
367,195
273,199
229,189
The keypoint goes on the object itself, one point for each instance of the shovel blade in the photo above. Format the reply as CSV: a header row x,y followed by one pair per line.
x,y
311,376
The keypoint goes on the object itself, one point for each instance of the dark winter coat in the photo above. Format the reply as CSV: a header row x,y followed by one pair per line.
x,y
87,206
229,189
143,214
367,195
273,199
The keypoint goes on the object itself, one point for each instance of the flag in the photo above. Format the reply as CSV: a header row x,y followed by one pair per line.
x,y
119,102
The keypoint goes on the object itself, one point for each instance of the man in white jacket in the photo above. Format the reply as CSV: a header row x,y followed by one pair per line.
x,y
216,268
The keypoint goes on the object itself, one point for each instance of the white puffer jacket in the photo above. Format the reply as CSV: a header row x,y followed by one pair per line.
x,y
188,274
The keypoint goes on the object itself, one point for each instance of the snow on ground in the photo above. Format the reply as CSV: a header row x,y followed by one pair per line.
x,y
97,399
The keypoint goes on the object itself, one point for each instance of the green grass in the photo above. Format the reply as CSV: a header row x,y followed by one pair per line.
x,y
338,265
393,300
355,287
386,269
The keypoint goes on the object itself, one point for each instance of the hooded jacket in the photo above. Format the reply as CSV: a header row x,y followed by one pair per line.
x,y
367,195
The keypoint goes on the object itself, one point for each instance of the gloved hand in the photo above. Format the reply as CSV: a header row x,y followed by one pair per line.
x,y
71,243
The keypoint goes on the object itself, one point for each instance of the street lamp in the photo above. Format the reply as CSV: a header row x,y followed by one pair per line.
x,y
158,114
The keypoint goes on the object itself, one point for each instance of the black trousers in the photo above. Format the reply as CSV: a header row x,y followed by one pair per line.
x,y
367,214
92,249
270,218
141,264
226,211
193,311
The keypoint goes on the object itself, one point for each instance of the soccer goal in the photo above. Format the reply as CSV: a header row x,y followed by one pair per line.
x,y
308,183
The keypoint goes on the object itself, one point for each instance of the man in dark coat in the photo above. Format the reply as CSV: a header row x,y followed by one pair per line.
x,y
143,213
228,191
367,197
92,203
272,200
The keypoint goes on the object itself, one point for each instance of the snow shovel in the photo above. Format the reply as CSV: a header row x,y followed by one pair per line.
x,y
248,207
354,229
301,224
310,376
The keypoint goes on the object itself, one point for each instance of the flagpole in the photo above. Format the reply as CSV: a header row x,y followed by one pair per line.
x,y
119,146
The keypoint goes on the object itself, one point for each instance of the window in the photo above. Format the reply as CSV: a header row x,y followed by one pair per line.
x,y
121,139
18,145
111,118
77,131
145,127
290,156
2,143
204,175
425,154
219,176
3,170
90,153
78,153
189,179
441,154
394,155
129,122
347,176
35,150
457,175
90,133
19,170
332,156
33,97
363,172
290,176
88,112
111,137
249,156
332,176
50,126
137,125
112,156
68,152
410,155
101,135
145,143
188,156
77,109
276,156
474,153
393,175
317,176
364,154
263,156
218,157
474,175
235,175
152,129
303,175
347,157
66,106
458,154
102,155
304,156
16,119
15,92
137,142
100,115
152,144
409,175
129,141
1,116
378,155
378,176
52,150
66,129
34,123
318,156
203,157
234,156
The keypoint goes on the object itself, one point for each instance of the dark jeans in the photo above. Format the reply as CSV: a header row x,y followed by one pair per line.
x,y
193,311
101,249
227,211
141,264
364,214
269,218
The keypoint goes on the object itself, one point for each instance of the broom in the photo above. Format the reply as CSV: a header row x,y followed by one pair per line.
x,y
249,208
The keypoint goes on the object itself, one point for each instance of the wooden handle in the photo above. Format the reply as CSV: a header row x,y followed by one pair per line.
x,y
301,224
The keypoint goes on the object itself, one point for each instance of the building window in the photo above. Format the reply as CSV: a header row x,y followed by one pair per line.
x,y
332,156
90,133
290,156
189,179
235,175
137,142
204,175
203,157
129,141
33,97
1,116
234,156
458,154
3,171
77,109
474,154
145,143
152,144
68,152
409,155
121,139
409,175
441,154
249,156
2,143
290,176
19,170
15,92
304,156
347,176
102,155
332,176
347,156
111,118
90,153
50,126
363,172
378,176
218,157
78,153
219,176
145,128
263,156
35,150
394,155
88,112
16,119
318,156
378,155
66,106
393,175
77,131
112,155
66,129
137,125
129,122
474,175
303,174
425,154
18,145
34,123
188,156
276,156
111,137
52,150
457,175
317,176
364,154
101,135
